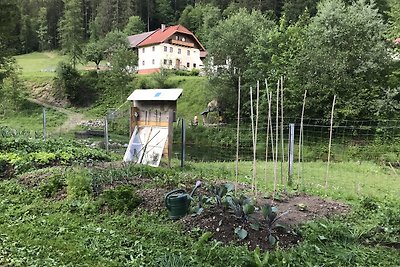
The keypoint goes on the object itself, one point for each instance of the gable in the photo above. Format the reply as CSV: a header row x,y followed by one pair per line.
x,y
169,35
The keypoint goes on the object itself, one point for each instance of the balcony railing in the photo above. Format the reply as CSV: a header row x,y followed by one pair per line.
x,y
179,42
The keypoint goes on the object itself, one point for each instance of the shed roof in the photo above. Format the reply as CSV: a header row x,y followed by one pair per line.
x,y
156,94
134,40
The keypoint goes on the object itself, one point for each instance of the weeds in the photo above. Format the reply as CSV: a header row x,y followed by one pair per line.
x,y
79,184
120,199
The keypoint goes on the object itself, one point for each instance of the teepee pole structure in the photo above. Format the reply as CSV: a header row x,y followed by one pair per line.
x,y
330,143
237,138
301,138
252,134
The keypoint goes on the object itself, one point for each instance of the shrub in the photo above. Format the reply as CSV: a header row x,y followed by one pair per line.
x,y
120,199
54,184
79,184
79,90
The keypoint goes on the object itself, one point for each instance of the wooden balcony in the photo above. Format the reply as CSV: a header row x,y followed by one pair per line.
x,y
182,43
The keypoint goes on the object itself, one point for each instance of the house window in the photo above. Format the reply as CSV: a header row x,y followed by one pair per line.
x,y
143,62
170,62
171,49
183,39
165,62
177,37
143,50
154,48
153,61
165,49
188,52
179,51
188,65
194,65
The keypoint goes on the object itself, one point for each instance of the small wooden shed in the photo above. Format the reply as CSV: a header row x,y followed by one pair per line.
x,y
153,112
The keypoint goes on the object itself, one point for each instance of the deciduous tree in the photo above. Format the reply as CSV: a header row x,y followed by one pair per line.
x,y
344,53
135,25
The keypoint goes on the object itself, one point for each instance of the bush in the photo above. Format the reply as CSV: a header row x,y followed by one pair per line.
x,y
50,187
79,184
79,90
121,199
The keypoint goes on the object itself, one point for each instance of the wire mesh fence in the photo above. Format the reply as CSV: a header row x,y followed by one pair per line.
x,y
351,141
363,140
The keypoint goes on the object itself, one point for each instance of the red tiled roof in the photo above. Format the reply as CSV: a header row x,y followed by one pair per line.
x,y
160,36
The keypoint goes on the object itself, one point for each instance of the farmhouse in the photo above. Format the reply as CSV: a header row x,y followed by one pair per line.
x,y
173,47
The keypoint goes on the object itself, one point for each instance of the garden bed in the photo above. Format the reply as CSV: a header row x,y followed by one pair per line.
x,y
222,222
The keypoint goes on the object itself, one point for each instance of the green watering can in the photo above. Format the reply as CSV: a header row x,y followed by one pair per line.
x,y
178,202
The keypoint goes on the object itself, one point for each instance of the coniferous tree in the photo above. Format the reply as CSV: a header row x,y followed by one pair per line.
x,y
42,31
135,25
164,12
71,31
54,13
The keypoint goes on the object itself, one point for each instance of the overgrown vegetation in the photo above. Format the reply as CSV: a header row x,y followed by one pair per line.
x,y
21,154
67,227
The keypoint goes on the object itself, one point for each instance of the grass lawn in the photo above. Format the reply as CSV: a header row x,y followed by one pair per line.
x,y
36,230
41,66
195,96
348,181
31,119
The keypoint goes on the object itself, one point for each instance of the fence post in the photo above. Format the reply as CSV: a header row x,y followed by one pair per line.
x,y
291,153
44,124
183,144
106,133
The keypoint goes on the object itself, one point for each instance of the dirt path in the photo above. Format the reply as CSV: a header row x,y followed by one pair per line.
x,y
73,118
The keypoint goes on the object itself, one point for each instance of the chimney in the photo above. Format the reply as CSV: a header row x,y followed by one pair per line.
x,y
162,27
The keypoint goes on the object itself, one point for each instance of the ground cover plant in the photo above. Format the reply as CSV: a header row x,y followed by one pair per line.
x,y
61,220
21,153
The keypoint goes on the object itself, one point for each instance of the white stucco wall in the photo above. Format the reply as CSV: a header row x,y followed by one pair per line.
x,y
149,59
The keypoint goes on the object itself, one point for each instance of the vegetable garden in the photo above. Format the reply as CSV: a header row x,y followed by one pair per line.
x,y
81,210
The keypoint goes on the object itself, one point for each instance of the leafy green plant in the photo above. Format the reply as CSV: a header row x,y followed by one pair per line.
x,y
219,191
120,199
42,158
241,233
242,206
54,184
172,260
258,259
79,183
270,214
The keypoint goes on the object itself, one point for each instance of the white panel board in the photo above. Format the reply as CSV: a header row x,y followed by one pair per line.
x,y
146,145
